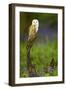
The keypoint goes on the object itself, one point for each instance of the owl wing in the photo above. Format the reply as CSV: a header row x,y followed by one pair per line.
x,y
32,32
31,37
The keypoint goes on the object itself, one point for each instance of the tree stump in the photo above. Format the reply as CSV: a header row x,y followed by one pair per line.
x,y
29,46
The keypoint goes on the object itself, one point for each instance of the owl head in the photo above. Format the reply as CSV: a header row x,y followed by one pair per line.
x,y
35,23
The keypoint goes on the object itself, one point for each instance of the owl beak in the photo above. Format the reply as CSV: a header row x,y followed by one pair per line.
x,y
34,25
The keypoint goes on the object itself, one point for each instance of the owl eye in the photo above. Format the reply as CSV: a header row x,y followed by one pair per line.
x,y
36,21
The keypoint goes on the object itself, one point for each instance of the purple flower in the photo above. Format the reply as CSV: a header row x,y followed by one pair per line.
x,y
50,69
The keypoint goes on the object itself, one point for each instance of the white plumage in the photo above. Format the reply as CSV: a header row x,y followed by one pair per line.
x,y
33,29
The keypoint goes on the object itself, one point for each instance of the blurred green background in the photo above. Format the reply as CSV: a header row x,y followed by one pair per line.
x,y
45,46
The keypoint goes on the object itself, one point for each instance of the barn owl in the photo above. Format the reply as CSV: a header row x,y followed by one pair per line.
x,y
33,29
32,34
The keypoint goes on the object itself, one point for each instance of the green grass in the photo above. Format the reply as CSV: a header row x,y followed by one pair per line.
x,y
41,55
